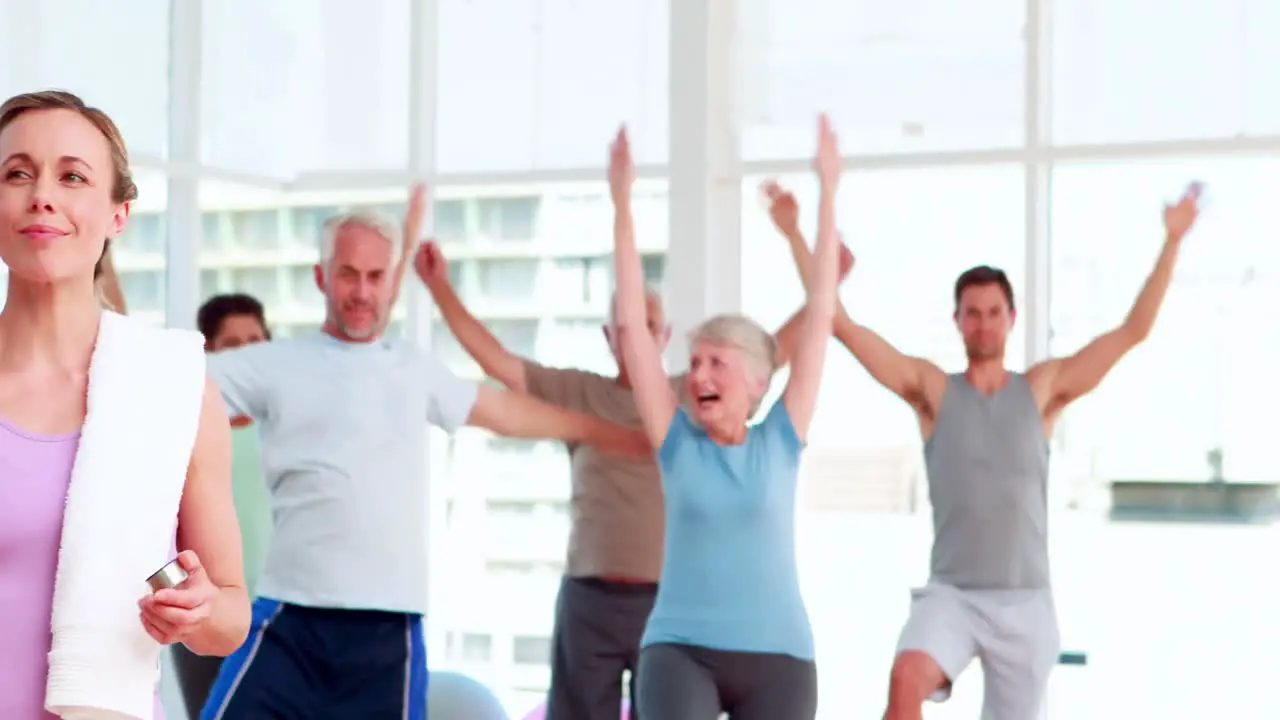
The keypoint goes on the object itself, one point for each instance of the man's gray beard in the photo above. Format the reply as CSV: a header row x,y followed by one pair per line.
x,y
374,329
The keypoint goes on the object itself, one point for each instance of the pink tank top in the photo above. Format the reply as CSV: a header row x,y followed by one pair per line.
x,y
35,471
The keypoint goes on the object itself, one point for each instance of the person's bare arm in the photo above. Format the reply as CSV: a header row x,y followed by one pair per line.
x,y
489,353
412,230
513,414
915,380
207,525
784,340
801,394
785,215
786,337
1061,381
654,397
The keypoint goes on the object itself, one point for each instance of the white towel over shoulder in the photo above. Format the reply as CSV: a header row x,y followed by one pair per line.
x,y
146,385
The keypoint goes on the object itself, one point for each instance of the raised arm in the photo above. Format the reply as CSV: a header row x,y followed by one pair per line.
x,y
412,230
801,393
455,402
787,337
654,397
496,360
1061,381
513,414
786,215
918,381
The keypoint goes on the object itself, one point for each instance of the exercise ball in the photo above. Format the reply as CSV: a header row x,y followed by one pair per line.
x,y
540,712
451,696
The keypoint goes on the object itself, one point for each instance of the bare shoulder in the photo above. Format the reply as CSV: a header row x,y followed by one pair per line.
x,y
1043,371
1040,377
933,386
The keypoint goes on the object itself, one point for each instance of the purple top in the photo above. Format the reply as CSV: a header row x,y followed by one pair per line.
x,y
35,472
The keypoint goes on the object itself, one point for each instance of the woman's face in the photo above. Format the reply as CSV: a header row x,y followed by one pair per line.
x,y
720,387
56,210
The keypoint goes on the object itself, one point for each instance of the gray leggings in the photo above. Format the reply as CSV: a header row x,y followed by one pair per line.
x,y
684,682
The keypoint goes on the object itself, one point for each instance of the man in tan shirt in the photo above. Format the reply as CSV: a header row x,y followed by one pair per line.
x,y
615,541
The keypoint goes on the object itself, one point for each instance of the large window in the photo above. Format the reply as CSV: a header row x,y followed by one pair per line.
x,y
129,41
1182,408
504,281
581,281
576,342
312,108
450,220
943,75
509,219
295,127
139,254
506,111
1115,82
913,232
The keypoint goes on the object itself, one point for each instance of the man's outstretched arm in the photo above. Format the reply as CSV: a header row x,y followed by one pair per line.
x,y
454,402
1067,379
513,414
487,350
785,338
410,232
913,379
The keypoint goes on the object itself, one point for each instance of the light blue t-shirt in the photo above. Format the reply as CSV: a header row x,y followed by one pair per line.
x,y
342,428
729,579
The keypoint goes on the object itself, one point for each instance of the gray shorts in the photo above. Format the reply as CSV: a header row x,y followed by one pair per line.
x,y
1013,633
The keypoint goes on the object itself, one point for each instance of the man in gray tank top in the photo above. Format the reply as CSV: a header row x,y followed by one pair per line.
x,y
987,455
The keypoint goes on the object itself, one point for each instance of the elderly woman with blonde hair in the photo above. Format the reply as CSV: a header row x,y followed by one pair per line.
x,y
729,632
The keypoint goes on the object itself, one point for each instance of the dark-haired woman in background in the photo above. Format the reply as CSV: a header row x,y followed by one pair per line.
x,y
230,321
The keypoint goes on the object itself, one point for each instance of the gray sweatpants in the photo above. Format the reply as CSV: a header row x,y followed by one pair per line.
x,y
685,682
1013,633
597,636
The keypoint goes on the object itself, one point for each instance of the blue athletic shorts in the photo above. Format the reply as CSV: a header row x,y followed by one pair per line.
x,y
302,663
